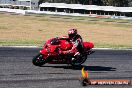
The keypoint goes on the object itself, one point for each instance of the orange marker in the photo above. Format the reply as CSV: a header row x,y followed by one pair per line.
x,y
86,81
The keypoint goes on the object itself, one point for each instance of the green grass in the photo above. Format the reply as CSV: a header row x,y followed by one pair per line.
x,y
25,32
40,44
116,22
21,43
97,45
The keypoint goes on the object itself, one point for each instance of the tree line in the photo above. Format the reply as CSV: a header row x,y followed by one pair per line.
x,y
118,3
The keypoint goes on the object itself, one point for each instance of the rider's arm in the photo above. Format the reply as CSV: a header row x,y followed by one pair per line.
x,y
74,47
78,43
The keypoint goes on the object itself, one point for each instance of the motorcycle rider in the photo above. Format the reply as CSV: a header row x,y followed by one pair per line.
x,y
76,41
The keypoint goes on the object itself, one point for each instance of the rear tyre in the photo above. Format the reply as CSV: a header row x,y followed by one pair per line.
x,y
78,60
38,60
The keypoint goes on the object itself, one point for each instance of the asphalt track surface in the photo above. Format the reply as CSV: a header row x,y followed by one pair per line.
x,y
17,70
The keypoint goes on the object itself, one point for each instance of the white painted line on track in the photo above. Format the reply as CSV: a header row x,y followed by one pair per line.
x,y
40,47
111,49
20,46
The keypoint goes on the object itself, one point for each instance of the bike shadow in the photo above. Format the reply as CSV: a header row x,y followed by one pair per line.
x,y
89,68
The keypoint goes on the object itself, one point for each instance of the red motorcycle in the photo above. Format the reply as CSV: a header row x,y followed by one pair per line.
x,y
50,53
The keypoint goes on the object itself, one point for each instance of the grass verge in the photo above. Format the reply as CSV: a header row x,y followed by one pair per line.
x,y
35,29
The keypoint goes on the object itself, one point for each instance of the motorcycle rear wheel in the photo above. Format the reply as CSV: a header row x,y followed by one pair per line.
x,y
38,60
78,62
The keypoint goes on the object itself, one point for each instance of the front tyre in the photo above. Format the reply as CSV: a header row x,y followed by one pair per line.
x,y
38,60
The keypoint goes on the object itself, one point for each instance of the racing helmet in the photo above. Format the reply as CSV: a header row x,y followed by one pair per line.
x,y
72,33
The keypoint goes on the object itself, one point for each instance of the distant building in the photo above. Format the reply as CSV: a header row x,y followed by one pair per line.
x,y
29,4
92,10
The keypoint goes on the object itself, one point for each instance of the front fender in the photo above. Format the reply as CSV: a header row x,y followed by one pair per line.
x,y
43,51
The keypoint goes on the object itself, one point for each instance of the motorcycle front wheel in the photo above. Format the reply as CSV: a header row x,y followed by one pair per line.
x,y
38,60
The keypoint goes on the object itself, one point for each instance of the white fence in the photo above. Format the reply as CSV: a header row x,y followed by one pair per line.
x,y
18,11
24,12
